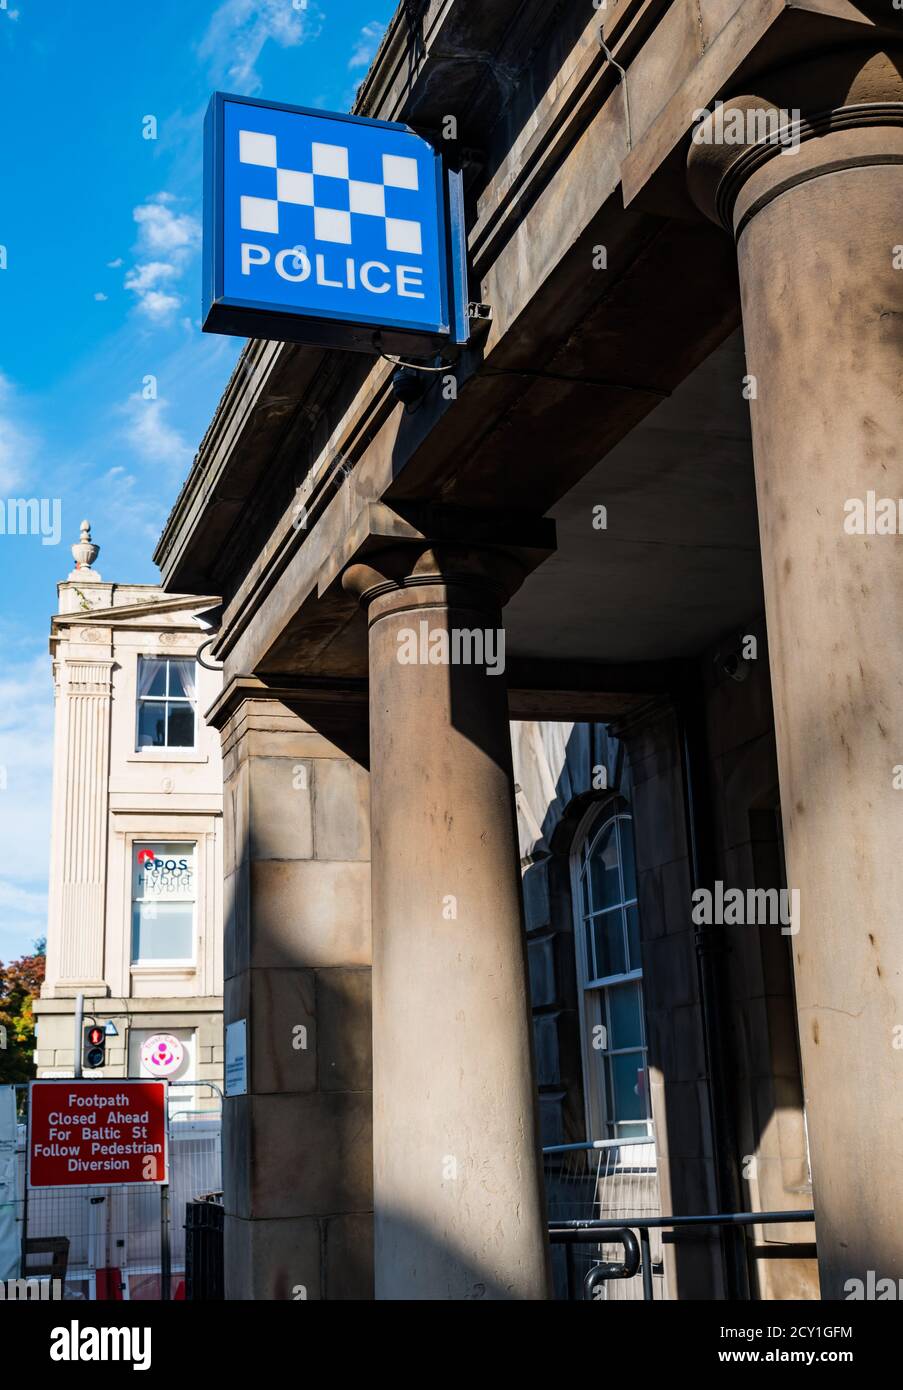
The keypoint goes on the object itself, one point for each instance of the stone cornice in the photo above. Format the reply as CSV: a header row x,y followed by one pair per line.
x,y
630,19
249,688
135,1005
107,617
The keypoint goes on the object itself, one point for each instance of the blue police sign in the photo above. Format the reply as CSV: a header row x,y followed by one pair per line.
x,y
329,229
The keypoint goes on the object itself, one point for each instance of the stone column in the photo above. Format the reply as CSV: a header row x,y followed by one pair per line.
x,y
820,248
296,1147
458,1201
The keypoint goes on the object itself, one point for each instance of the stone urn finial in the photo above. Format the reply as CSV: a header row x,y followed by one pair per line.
x,y
84,553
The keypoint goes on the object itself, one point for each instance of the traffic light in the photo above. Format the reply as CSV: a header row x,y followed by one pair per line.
x,y
94,1052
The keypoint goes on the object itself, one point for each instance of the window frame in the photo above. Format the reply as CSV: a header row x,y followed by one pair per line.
x,y
186,963
594,1002
178,748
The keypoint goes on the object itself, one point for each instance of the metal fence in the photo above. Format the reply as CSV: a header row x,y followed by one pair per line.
x,y
605,1179
121,1242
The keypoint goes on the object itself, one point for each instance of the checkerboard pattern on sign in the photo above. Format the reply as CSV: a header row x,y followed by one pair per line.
x,y
330,224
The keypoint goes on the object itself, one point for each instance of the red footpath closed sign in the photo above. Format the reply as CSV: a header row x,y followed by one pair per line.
x,y
96,1132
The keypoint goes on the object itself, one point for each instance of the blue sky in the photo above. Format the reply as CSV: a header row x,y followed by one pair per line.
x,y
101,288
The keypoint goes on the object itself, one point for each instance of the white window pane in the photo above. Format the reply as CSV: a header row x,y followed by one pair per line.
x,y
608,939
586,906
162,931
640,1154
627,1075
605,880
633,938
151,724
180,726
181,679
163,871
624,1017
628,864
151,676
167,697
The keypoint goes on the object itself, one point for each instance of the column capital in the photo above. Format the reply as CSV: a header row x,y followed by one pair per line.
x,y
842,109
412,573
411,545
89,676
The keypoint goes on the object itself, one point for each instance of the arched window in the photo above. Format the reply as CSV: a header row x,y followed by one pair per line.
x,y
610,977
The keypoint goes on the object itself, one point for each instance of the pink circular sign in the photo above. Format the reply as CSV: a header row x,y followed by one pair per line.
x,y
162,1054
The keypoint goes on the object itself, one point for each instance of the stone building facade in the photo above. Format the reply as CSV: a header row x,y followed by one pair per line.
x,y
642,470
136,870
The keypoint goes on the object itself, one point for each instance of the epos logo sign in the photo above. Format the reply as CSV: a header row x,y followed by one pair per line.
x,y
148,860
322,228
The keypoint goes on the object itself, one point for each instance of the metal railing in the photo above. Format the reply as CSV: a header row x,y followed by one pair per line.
x,y
603,1179
637,1231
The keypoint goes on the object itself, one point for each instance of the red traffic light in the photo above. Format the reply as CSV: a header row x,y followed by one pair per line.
x,y
94,1046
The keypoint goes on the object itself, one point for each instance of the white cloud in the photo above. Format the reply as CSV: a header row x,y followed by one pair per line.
x,y
101,297
239,29
153,301
17,446
114,265
148,277
161,231
367,43
153,438
160,308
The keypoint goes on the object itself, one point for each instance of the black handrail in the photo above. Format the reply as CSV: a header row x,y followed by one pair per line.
x,y
616,1229
605,1269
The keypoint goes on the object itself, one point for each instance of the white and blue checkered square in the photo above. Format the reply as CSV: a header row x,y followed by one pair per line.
x,y
300,187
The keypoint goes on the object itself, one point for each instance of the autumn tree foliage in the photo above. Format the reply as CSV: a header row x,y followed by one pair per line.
x,y
20,984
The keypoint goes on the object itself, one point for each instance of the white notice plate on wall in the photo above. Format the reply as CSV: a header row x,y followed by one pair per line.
x,y
237,1058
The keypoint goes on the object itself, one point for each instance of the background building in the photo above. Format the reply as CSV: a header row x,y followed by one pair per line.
x,y
135,916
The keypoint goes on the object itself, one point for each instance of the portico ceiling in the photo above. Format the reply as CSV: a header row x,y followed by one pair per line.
x,y
678,564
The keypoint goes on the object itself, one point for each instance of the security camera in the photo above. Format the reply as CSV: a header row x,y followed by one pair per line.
x,y
409,385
